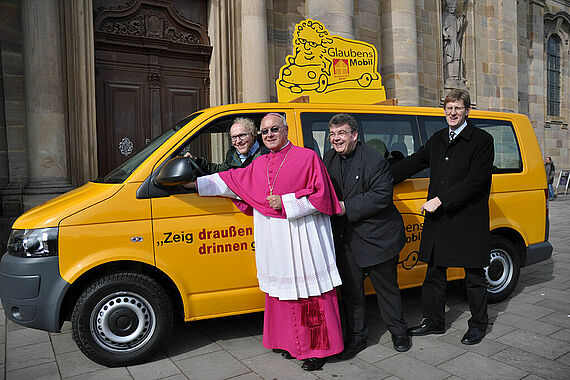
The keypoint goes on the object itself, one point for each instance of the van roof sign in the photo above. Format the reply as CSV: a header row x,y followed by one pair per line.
x,y
329,68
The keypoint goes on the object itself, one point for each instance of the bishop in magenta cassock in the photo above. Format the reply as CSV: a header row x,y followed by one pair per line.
x,y
291,197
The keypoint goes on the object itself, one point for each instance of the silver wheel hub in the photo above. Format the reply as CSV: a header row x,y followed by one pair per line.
x,y
499,273
122,322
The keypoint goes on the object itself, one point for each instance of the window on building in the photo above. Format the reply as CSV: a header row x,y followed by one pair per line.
x,y
553,76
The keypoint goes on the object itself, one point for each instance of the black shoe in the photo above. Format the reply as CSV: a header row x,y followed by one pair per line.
x,y
283,353
312,364
401,343
473,336
351,350
426,328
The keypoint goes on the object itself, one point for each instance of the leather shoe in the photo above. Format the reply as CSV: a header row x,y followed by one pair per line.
x,y
426,328
473,336
312,364
401,343
351,350
283,353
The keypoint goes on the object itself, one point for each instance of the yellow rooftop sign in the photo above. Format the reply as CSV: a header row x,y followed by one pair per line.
x,y
329,69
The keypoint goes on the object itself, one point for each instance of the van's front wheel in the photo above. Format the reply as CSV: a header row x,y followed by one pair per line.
x,y
504,269
121,319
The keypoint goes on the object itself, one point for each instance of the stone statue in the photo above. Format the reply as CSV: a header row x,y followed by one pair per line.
x,y
453,27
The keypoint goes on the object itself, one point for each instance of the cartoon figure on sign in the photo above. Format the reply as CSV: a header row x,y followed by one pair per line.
x,y
322,63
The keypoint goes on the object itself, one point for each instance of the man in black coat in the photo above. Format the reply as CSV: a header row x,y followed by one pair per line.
x,y
369,234
456,225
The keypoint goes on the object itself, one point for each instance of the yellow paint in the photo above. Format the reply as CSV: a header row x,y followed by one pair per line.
x,y
329,68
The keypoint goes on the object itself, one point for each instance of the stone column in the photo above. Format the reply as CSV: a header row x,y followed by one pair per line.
x,y
45,105
80,63
337,16
400,51
536,72
254,53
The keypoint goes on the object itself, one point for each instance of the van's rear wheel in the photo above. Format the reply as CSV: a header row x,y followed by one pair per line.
x,y
504,269
122,319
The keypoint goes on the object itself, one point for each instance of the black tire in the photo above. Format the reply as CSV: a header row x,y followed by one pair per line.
x,y
503,271
122,319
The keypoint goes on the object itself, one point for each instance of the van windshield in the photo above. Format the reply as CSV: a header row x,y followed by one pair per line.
x,y
119,174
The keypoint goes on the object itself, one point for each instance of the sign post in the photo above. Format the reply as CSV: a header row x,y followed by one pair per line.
x,y
563,180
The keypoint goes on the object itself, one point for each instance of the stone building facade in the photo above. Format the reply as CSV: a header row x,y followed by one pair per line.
x,y
56,58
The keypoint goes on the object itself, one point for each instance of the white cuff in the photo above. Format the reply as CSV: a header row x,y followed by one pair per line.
x,y
212,185
296,208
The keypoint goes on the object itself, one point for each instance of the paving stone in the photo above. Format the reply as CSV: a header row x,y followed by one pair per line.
x,y
25,337
487,347
247,376
72,364
375,352
553,294
182,377
532,363
187,342
473,366
11,326
157,369
514,306
239,344
28,356
538,344
498,329
563,335
559,318
273,366
554,305
48,371
214,365
107,374
354,368
528,324
2,356
432,351
2,335
564,359
407,367
63,343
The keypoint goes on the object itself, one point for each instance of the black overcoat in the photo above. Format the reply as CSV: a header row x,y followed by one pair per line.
x,y
372,224
457,233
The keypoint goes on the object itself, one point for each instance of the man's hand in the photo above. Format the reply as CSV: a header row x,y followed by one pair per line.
x,y
431,205
189,185
275,201
188,154
343,208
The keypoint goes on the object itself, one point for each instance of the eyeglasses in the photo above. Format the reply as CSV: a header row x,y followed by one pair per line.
x,y
451,109
341,134
272,130
240,137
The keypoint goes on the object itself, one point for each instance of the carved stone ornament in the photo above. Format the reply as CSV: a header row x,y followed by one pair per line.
x,y
150,23
154,79
126,146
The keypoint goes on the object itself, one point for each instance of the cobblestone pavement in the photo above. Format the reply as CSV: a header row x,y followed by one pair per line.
x,y
529,339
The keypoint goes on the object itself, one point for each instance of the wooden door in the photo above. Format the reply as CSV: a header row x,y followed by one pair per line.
x,y
151,70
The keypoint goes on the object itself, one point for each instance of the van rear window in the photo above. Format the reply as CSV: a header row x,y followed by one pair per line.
x,y
507,153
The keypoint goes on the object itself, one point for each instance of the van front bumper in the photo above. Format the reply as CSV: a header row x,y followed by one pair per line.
x,y
536,253
32,291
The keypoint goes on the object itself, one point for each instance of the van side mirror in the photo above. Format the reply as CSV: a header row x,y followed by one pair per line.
x,y
176,171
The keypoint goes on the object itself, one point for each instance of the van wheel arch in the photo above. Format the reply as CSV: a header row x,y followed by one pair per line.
x,y
80,284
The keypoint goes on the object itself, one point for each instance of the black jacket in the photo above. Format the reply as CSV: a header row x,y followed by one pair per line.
x,y
372,224
460,175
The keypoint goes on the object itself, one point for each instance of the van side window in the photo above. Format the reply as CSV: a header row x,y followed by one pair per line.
x,y
395,136
507,154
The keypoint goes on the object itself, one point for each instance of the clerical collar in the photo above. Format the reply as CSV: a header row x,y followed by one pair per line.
x,y
458,130
283,147
251,151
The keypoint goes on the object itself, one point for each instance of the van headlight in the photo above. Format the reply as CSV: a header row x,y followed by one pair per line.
x,y
39,242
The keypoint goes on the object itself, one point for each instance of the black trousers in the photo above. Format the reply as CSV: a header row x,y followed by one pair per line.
x,y
384,280
434,295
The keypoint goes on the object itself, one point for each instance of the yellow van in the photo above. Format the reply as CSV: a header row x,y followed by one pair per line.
x,y
123,257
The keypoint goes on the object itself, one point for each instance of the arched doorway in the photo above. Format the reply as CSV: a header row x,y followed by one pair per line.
x,y
151,69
